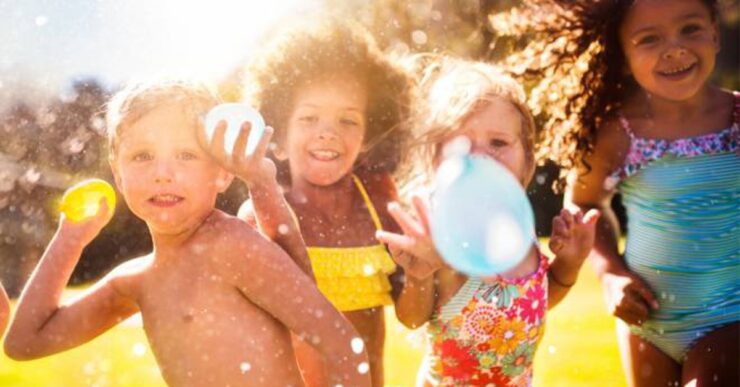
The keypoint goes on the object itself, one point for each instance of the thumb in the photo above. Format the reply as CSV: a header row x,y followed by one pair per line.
x,y
592,216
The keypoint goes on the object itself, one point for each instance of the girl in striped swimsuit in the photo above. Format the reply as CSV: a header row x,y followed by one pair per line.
x,y
646,123
482,331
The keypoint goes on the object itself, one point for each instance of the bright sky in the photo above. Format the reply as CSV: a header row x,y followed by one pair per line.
x,y
45,43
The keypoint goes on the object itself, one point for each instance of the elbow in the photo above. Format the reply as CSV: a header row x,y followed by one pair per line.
x,y
17,351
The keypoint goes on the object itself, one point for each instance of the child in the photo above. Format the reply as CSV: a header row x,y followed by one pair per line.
x,y
646,123
337,103
218,300
481,331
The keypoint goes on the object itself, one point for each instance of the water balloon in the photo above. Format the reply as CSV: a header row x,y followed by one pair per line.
x,y
481,220
82,200
235,114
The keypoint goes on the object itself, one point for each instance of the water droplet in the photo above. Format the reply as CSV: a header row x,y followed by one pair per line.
x,y
357,345
41,20
552,349
283,229
244,367
139,349
368,270
363,368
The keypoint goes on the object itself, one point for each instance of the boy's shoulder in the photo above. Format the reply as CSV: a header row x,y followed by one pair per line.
x,y
225,234
126,277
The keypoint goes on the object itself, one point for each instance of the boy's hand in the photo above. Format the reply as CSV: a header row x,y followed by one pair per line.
x,y
251,168
573,235
87,229
414,250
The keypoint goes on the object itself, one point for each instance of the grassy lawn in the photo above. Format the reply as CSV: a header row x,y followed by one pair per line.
x,y
579,349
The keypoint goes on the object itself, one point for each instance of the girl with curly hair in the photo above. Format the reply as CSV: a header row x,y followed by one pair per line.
x,y
625,85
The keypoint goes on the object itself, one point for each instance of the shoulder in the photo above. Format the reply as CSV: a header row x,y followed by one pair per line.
x,y
227,237
379,186
126,277
611,144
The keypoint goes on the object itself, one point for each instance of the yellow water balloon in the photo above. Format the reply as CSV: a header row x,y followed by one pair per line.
x,y
82,200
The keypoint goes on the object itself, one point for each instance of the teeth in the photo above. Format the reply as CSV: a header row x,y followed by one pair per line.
x,y
325,154
677,70
166,198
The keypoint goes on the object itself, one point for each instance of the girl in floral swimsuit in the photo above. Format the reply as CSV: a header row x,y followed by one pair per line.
x,y
481,331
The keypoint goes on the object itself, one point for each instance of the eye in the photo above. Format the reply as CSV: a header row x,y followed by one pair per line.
x,y
141,156
308,119
187,155
349,121
690,29
647,39
498,143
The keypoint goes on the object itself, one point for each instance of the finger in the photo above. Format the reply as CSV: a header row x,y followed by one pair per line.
x,y
397,241
578,217
643,291
558,227
633,306
555,244
567,218
408,224
237,153
216,149
264,143
422,211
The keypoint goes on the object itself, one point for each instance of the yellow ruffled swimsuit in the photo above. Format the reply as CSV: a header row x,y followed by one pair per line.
x,y
354,278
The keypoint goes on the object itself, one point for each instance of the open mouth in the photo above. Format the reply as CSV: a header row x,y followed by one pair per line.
x,y
677,72
165,200
324,154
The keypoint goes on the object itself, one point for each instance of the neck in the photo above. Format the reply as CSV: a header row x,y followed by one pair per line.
x,y
332,198
677,110
170,243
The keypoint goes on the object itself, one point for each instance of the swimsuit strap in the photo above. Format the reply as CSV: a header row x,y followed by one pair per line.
x,y
625,124
368,202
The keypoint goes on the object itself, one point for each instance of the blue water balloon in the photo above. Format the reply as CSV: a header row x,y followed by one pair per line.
x,y
481,220
235,114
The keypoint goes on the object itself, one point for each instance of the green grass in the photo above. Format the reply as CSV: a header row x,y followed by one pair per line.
x,y
579,349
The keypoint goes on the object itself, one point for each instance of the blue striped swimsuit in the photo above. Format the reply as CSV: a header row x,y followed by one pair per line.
x,y
683,234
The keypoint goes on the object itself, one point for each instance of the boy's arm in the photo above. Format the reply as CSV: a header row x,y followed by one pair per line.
x,y
4,309
270,212
41,325
272,281
571,241
627,295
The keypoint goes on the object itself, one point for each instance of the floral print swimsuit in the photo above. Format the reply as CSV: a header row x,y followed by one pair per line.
x,y
486,335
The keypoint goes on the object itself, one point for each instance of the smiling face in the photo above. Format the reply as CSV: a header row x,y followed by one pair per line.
x,y
326,129
496,130
165,177
670,46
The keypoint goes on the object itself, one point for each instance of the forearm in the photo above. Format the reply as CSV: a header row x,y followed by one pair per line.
x,y
605,256
562,275
346,360
277,222
415,304
41,297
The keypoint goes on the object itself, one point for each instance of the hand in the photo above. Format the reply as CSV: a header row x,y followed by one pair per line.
x,y
251,168
628,297
573,235
86,230
414,250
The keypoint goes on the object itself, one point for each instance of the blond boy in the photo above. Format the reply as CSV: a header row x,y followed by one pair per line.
x,y
218,301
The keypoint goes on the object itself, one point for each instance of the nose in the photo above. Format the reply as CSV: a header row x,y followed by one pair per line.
x,y
675,51
163,172
328,132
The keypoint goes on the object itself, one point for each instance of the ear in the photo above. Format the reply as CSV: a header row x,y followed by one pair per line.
x,y
223,180
716,37
116,174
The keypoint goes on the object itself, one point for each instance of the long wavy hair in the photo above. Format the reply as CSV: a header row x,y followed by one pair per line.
x,y
573,62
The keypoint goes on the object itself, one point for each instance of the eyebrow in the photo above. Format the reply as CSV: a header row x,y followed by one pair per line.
x,y
308,104
689,16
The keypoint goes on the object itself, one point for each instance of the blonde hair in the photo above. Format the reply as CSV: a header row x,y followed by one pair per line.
x,y
140,98
451,91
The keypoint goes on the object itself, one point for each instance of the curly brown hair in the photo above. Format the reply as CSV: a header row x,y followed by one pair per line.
x,y
324,46
574,63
